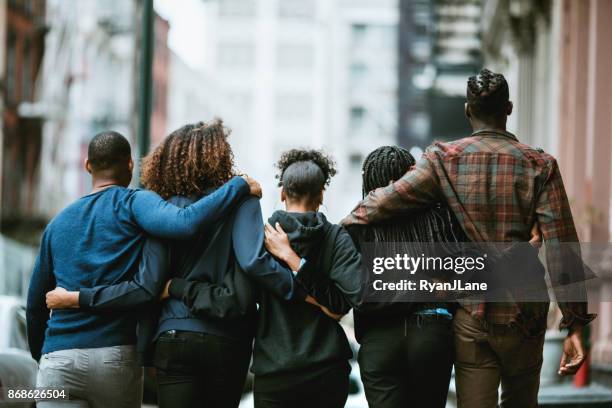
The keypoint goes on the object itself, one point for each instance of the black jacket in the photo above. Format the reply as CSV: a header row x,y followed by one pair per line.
x,y
297,337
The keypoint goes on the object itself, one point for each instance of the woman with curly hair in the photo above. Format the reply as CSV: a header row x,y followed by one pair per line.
x,y
201,339
300,356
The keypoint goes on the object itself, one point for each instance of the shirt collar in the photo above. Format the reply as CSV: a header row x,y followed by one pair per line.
x,y
495,132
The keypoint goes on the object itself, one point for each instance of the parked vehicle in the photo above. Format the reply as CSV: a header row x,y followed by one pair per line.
x,y
17,368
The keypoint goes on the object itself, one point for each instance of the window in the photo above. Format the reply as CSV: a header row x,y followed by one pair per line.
x,y
28,7
359,32
296,8
236,55
293,106
358,71
26,73
11,70
355,160
357,117
241,102
237,8
294,57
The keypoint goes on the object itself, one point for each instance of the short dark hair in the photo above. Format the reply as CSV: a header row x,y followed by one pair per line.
x,y
108,149
385,164
487,94
305,173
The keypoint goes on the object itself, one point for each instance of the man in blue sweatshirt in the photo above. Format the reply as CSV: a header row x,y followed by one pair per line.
x,y
95,241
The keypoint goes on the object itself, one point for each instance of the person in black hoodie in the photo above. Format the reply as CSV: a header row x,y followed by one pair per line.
x,y
301,355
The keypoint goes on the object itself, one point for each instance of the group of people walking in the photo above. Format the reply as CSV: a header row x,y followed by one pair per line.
x,y
186,276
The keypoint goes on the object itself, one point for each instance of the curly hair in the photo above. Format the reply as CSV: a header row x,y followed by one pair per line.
x,y
189,161
487,94
304,173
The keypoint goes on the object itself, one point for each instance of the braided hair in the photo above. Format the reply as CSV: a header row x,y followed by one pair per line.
x,y
304,174
390,163
189,161
487,94
385,164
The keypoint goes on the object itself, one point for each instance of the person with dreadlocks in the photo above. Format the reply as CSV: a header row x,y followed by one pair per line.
x,y
97,240
406,353
301,356
200,341
497,188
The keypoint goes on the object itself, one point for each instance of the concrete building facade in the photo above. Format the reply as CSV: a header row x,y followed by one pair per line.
x,y
439,47
557,58
88,85
294,73
23,34
161,67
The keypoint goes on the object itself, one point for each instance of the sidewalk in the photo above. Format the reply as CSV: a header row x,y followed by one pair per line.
x,y
560,396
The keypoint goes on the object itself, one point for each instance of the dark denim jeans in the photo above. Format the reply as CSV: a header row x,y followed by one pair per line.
x,y
200,370
408,363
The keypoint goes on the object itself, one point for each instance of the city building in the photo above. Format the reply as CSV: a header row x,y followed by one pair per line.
x,y
415,72
23,34
439,48
161,66
557,58
296,73
69,70
89,84
192,95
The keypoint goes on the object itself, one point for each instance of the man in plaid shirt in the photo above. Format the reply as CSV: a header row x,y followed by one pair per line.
x,y
498,188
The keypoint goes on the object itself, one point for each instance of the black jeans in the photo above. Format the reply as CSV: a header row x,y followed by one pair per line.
x,y
200,370
328,390
408,363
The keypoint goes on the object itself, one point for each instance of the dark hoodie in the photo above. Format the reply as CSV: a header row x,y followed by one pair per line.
x,y
295,340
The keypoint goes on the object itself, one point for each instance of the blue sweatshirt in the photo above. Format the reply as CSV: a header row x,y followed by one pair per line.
x,y
236,239
98,240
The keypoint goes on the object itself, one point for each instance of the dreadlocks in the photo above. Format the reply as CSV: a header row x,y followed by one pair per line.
x,y
390,163
487,94
383,165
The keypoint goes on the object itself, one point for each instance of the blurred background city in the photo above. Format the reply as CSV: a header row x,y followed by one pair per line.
x,y
345,76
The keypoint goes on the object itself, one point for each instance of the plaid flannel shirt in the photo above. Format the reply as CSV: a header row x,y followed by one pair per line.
x,y
497,188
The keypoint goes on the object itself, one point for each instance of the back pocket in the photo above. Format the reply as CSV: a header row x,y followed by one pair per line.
x,y
170,354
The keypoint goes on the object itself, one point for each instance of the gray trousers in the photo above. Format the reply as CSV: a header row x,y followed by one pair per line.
x,y
95,378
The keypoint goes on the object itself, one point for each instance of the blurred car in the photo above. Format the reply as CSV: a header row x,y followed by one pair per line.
x,y
17,368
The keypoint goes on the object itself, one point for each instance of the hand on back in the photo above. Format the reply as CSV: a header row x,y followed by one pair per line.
x,y
253,186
